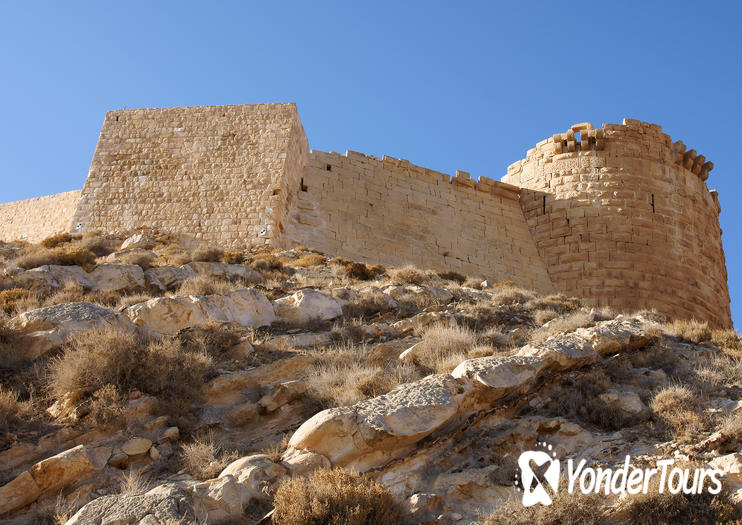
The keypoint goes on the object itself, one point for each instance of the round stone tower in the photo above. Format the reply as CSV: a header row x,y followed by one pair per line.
x,y
622,216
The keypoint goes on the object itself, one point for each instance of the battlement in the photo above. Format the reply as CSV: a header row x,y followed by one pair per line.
x,y
620,215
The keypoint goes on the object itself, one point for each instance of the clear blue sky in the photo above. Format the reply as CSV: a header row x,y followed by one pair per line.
x,y
457,85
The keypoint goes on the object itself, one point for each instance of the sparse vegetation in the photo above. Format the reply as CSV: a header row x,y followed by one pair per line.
x,y
408,275
204,458
204,285
561,325
335,497
689,330
209,254
443,347
678,407
310,259
56,240
64,255
362,272
566,509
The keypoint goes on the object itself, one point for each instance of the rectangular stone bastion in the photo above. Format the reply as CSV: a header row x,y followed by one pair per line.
x,y
620,216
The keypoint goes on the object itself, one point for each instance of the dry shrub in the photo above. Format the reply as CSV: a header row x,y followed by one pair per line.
x,y
510,295
678,408
209,254
453,276
213,339
541,317
8,340
134,483
335,497
12,409
100,244
408,275
266,262
566,509
204,458
362,272
442,345
302,248
689,330
13,300
129,362
731,428
131,300
56,240
367,305
174,254
203,285
562,325
233,256
557,303
719,370
65,255
140,258
310,259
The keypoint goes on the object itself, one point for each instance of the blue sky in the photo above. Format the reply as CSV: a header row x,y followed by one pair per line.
x,y
457,85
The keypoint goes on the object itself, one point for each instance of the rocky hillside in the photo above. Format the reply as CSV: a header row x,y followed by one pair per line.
x,y
145,381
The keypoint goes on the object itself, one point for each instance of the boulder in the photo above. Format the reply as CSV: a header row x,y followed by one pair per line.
x,y
20,492
306,306
52,276
628,402
58,471
281,395
243,481
127,256
729,464
168,503
616,335
375,431
118,277
562,351
168,315
500,375
138,241
48,327
302,462
136,446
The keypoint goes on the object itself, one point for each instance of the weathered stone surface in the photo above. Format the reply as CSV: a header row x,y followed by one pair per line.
x,y
629,402
62,321
118,277
168,315
53,276
18,493
305,340
136,446
301,462
168,277
138,241
57,471
282,394
162,505
306,306
563,351
500,374
616,335
376,430
243,481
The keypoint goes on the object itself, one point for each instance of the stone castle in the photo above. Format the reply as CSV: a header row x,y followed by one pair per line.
x,y
620,216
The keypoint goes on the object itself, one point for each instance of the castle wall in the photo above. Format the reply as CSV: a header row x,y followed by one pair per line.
x,y
214,172
36,219
623,218
392,212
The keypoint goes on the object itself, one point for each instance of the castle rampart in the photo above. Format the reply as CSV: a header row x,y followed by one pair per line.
x,y
620,216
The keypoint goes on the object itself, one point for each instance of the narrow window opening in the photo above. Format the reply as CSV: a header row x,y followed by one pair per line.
x,y
277,191
544,205
302,186
117,119
578,137
653,203
329,167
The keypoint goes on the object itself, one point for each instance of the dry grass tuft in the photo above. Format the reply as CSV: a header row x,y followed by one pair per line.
x,y
689,330
134,483
342,376
566,509
408,275
443,346
128,362
12,301
233,256
362,272
677,407
310,259
335,497
204,458
727,339
64,255
56,240
266,262
12,409
204,285
453,276
209,254
510,295
214,340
